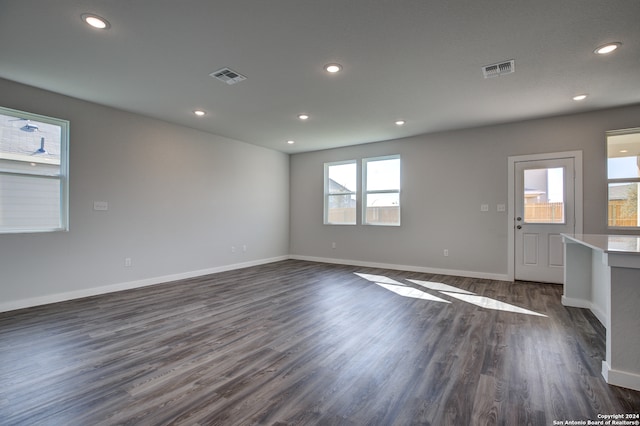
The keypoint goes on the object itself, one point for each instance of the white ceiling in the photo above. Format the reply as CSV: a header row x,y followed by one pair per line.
x,y
417,60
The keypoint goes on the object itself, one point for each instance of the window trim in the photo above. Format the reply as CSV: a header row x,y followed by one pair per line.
x,y
62,176
635,130
327,194
366,192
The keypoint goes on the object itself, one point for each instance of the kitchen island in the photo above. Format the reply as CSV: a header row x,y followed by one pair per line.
x,y
602,273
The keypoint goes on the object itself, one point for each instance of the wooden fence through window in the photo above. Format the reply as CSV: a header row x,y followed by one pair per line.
x,y
619,214
533,213
387,214
544,213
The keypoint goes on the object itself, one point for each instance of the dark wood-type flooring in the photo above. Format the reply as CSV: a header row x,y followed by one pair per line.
x,y
297,343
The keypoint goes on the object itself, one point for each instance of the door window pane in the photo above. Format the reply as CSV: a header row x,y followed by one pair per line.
x,y
544,195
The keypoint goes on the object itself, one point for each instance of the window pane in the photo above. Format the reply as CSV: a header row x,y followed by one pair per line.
x,y
342,178
341,209
623,204
383,209
29,141
383,175
623,151
623,172
622,167
29,203
544,195
340,196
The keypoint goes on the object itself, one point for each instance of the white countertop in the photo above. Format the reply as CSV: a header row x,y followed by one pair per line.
x,y
627,244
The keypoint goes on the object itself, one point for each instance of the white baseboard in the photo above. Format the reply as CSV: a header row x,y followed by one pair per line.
x,y
409,268
95,291
620,378
575,303
580,303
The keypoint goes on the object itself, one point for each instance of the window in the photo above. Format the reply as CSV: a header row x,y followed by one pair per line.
x,y
340,193
381,191
623,175
381,183
33,172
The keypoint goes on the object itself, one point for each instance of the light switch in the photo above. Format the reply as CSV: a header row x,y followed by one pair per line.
x,y
502,208
484,207
100,205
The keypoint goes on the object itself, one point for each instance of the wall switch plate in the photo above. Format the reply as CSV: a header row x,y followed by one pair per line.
x,y
127,262
446,252
484,207
502,208
100,205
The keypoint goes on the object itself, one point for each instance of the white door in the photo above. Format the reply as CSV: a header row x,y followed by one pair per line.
x,y
544,209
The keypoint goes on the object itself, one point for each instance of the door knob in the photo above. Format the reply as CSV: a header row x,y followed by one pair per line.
x,y
518,218
519,226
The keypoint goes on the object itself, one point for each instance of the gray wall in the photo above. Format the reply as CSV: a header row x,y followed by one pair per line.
x,y
446,177
178,200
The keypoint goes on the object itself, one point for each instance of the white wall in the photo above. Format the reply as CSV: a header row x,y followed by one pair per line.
x,y
178,200
446,177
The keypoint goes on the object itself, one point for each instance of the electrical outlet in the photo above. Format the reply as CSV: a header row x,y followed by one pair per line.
x,y
333,245
244,248
127,262
233,249
445,252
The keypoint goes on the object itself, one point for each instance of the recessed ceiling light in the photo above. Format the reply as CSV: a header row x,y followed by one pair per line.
x,y
96,21
333,68
580,97
607,48
199,112
303,116
400,123
291,142
624,151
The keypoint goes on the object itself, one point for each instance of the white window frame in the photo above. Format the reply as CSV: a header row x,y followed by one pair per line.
x,y
620,180
62,176
327,193
366,192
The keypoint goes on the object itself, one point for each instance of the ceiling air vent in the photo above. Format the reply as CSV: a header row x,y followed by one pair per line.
x,y
501,68
228,75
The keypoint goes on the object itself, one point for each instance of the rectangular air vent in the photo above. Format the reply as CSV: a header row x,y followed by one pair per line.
x,y
228,75
502,68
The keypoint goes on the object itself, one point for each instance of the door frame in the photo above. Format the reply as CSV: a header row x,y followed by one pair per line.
x,y
511,219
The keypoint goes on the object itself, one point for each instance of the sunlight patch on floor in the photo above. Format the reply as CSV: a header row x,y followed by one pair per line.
x,y
488,303
378,279
405,290
411,292
439,286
